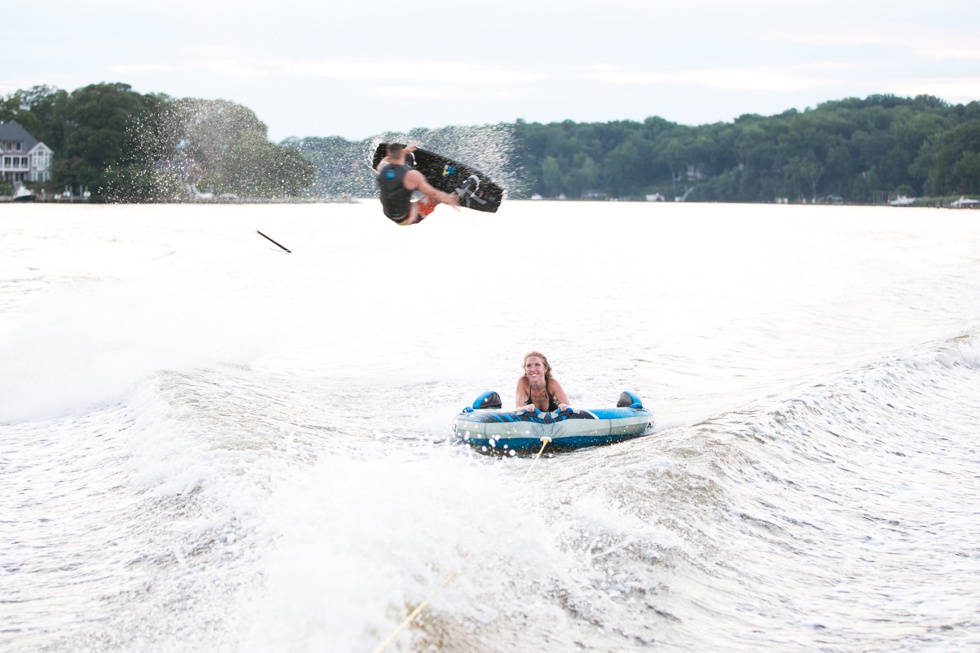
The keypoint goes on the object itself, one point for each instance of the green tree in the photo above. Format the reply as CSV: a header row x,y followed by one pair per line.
x,y
583,176
209,129
254,167
966,173
622,166
97,137
950,159
340,167
40,110
803,174
674,154
551,176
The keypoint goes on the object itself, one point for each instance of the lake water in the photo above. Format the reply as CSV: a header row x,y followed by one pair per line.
x,y
208,444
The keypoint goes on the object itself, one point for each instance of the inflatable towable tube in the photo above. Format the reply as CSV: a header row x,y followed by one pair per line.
x,y
487,428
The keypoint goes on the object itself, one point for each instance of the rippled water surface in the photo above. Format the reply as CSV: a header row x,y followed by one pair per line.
x,y
209,444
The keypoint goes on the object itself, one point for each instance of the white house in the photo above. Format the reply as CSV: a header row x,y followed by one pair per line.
x,y
23,158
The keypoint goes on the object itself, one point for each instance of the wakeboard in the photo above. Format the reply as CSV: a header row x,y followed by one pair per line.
x,y
476,190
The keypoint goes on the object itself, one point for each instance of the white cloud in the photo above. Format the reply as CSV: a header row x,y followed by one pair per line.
x,y
719,59
921,42
458,72
964,90
951,51
219,61
231,63
411,92
748,78
231,68
228,62
125,69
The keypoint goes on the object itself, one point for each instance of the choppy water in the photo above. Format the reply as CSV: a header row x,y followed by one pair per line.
x,y
209,444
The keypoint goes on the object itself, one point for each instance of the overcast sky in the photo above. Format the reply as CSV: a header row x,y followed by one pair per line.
x,y
359,68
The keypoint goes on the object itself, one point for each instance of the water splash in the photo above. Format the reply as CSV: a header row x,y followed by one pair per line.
x,y
491,149
179,146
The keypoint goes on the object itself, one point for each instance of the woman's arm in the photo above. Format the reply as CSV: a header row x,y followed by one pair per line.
x,y
522,400
559,393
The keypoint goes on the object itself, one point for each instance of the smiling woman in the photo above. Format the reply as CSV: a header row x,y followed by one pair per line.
x,y
538,389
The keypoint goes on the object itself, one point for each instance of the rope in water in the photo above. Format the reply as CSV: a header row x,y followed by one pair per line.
x,y
544,443
449,577
418,610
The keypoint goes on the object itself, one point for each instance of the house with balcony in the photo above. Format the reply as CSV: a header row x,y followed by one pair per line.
x,y
23,158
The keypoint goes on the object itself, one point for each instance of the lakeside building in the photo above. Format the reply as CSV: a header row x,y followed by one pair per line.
x,y
23,158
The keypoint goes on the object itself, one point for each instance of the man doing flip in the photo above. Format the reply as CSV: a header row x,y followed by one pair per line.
x,y
397,181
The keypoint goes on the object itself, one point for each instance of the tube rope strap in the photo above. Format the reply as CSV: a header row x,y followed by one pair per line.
x,y
449,577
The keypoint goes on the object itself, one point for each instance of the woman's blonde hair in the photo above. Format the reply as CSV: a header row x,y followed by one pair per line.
x,y
547,367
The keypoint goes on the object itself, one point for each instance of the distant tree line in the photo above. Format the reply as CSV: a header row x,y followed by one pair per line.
x,y
132,147
859,150
853,150
125,146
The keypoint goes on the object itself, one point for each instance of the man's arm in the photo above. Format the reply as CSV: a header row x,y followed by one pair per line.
x,y
414,180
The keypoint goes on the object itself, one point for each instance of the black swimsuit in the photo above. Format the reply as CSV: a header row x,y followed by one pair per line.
x,y
552,402
396,200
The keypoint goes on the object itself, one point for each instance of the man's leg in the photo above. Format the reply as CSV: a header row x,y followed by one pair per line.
x,y
426,206
413,215
420,210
